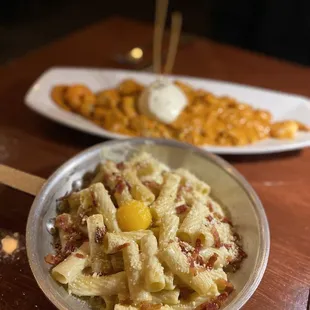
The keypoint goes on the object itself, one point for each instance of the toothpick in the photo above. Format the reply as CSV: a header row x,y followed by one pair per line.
x,y
160,18
175,33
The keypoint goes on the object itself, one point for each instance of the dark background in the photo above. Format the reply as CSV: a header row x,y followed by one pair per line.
x,y
280,28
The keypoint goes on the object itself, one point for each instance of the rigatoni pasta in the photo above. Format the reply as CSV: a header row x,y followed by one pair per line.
x,y
154,277
99,260
164,204
174,253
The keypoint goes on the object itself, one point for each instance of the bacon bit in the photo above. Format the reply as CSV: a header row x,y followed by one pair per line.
x,y
210,206
120,247
53,259
200,261
211,261
229,288
63,221
181,209
99,234
126,302
209,305
227,245
153,186
241,253
120,166
196,263
237,237
236,263
226,220
184,247
79,255
216,236
70,247
57,246
209,218
185,293
120,186
198,245
185,188
222,298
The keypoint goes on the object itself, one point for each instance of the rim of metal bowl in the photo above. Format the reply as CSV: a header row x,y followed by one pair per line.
x,y
262,258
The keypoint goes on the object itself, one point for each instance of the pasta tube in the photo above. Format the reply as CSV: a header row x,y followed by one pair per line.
x,y
153,270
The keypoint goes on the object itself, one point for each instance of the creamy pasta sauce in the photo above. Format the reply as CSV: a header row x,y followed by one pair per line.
x,y
143,236
174,111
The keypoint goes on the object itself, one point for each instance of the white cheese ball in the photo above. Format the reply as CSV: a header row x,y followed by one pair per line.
x,y
162,101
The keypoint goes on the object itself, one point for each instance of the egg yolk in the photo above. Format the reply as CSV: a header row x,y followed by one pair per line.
x,y
133,215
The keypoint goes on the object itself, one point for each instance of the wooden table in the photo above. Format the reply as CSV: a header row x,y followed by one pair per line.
x,y
37,145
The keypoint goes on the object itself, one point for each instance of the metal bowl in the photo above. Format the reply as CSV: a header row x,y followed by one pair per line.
x,y
228,187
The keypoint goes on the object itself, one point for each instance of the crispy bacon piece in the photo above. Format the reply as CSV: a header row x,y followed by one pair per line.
x,y
57,246
53,259
185,247
200,261
185,293
216,236
181,209
227,245
99,234
63,221
209,218
235,264
120,247
226,220
241,253
120,186
120,166
229,288
211,261
153,186
126,302
210,206
198,245
186,188
79,255
70,247
237,237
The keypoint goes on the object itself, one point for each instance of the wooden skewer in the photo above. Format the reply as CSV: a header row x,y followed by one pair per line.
x,y
20,180
175,33
160,18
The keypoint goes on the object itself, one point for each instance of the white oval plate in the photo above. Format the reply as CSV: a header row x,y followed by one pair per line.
x,y
281,105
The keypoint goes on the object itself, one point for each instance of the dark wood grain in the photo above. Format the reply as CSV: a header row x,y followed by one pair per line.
x,y
37,145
